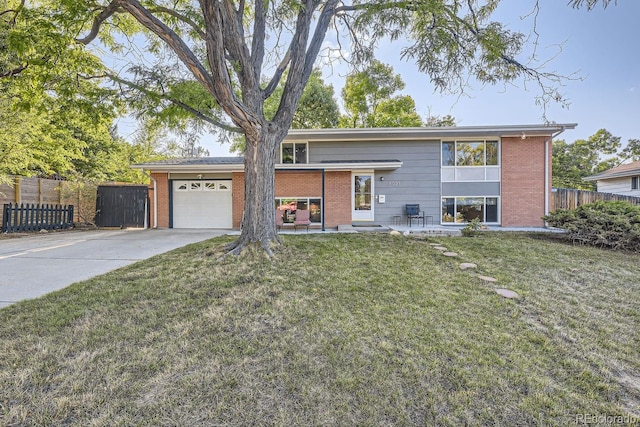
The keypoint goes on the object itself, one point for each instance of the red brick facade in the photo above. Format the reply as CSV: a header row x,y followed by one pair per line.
x,y
162,188
337,198
523,181
337,202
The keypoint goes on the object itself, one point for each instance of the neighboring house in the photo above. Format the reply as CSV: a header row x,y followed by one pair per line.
x,y
624,179
500,174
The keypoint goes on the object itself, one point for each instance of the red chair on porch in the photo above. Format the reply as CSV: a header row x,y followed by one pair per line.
x,y
302,219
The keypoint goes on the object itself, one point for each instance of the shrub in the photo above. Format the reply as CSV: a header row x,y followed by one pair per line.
x,y
472,228
614,225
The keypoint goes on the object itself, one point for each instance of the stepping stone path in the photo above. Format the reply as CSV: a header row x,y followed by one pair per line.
x,y
467,265
487,279
451,254
435,244
506,293
440,248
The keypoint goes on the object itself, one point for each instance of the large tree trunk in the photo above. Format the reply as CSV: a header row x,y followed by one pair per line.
x,y
258,226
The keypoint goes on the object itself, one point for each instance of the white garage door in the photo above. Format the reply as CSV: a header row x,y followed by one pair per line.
x,y
202,204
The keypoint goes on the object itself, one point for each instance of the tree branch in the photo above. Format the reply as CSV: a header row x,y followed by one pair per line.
x,y
277,75
98,20
180,17
14,72
199,114
153,24
259,31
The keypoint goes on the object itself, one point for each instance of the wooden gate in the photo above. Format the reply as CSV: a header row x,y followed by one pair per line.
x,y
122,206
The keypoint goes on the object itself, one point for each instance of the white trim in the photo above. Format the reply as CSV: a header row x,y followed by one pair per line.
x,y
396,134
499,206
294,152
370,214
347,166
342,166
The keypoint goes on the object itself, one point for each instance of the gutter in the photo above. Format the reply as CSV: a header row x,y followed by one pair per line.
x,y
155,199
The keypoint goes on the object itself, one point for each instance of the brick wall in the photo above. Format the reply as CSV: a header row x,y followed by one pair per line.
x,y
162,188
337,202
523,189
237,182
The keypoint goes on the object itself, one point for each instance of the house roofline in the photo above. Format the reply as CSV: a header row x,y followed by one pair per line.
x,y
332,166
624,174
368,134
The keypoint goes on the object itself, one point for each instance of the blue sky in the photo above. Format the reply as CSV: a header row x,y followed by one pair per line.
x,y
600,46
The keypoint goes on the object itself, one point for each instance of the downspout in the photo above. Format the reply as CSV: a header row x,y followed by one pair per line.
x,y
155,198
546,169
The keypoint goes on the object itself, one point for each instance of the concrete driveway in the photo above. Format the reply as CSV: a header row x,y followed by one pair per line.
x,y
36,265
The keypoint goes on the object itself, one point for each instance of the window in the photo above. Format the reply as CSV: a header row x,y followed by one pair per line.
x,y
635,182
362,192
294,152
291,205
448,154
465,209
470,153
203,186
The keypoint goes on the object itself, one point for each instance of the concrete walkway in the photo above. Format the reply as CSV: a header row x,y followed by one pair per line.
x,y
36,265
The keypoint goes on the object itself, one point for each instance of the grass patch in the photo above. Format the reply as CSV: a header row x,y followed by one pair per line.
x,y
342,329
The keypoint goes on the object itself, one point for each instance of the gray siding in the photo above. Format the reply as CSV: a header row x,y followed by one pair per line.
x,y
462,189
417,181
617,186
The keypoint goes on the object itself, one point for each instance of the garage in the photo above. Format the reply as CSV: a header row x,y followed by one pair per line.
x,y
202,204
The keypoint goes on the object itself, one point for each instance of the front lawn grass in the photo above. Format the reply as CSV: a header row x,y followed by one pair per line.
x,y
340,329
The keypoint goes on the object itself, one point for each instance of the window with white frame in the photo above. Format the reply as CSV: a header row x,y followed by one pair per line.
x,y
294,152
203,186
473,160
462,210
289,206
635,182
470,153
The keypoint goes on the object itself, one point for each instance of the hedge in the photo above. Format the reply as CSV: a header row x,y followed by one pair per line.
x,y
614,225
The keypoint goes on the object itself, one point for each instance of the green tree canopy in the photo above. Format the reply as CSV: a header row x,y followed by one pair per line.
x,y
370,99
56,114
582,158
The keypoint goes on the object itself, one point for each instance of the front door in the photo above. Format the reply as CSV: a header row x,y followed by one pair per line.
x,y
362,196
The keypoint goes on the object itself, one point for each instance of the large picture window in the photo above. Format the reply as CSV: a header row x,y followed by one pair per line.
x,y
470,153
294,152
289,206
465,209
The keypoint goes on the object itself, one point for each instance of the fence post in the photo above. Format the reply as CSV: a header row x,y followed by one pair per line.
x,y
5,217
70,216
17,193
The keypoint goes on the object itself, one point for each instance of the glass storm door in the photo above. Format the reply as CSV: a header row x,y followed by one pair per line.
x,y
362,196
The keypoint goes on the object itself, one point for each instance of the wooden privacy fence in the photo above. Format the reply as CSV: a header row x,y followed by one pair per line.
x,y
568,198
82,195
35,217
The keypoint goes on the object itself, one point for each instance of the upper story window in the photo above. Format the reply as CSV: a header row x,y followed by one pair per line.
x,y
294,152
635,182
470,153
